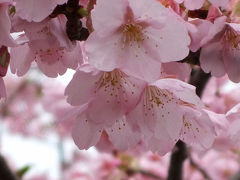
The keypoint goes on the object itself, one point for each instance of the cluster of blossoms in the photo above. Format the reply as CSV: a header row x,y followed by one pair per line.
x,y
129,87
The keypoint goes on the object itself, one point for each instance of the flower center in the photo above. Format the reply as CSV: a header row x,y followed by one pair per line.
x,y
49,55
116,84
156,98
132,33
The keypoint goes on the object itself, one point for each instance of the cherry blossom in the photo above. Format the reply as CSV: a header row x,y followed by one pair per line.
x,y
47,44
109,94
159,113
130,94
219,55
135,36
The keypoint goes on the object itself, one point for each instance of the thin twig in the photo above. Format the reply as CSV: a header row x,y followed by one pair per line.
x,y
200,169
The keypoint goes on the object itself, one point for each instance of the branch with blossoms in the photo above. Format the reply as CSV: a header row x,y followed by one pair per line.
x,y
132,60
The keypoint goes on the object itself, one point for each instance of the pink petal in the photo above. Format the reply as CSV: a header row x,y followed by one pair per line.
x,y
103,53
81,88
168,116
158,113
151,9
211,59
198,129
21,59
118,94
234,133
232,63
161,144
184,91
85,134
217,28
35,10
53,69
193,4
113,13
167,44
56,61
141,65
122,135
198,30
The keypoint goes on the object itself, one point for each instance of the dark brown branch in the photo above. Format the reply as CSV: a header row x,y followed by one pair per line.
x,y
199,79
192,58
236,176
5,172
179,154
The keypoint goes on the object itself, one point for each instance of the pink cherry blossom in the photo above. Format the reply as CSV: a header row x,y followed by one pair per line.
x,y
109,94
220,54
159,114
47,44
135,36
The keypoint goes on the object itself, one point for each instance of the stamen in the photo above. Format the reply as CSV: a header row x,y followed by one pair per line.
x,y
132,33
156,98
231,38
114,84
